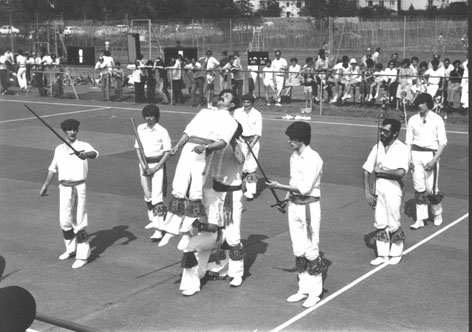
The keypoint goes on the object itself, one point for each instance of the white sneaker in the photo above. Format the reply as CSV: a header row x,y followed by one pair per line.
x,y
184,242
152,224
248,196
297,297
165,240
311,301
278,104
394,260
157,235
287,117
334,100
438,220
190,292
418,224
379,260
268,104
236,282
66,255
79,263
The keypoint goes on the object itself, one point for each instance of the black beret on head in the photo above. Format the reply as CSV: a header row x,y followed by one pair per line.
x,y
70,124
424,98
151,110
299,130
248,96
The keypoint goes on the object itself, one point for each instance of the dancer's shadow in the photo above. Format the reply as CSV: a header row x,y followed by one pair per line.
x,y
103,239
410,209
254,246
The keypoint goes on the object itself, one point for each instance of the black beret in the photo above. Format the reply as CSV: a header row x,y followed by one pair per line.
x,y
70,124
299,130
248,96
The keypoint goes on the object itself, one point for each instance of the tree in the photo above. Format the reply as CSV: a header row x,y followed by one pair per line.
x,y
243,8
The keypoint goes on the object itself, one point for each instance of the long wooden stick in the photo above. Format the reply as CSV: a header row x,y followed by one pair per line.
x,y
140,145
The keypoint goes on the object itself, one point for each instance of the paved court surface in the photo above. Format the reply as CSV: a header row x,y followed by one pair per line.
x,y
132,285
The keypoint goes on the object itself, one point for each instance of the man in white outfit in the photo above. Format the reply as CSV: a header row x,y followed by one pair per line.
x,y
223,204
279,66
426,138
304,213
388,161
210,130
72,172
156,144
251,121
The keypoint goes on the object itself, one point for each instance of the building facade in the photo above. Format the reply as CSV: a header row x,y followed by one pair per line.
x,y
406,4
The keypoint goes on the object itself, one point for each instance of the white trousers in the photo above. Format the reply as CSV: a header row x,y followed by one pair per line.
x,y
279,85
152,185
302,245
190,174
389,200
21,76
424,181
250,165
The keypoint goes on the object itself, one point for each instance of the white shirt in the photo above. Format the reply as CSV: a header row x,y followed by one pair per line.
x,y
434,76
225,168
212,124
293,71
305,171
211,63
279,66
250,121
155,140
68,166
395,157
429,134
21,60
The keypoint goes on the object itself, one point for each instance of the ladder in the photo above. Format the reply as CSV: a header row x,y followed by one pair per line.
x,y
255,44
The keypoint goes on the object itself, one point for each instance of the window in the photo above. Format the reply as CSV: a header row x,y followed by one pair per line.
x,y
288,4
369,3
299,4
381,3
392,3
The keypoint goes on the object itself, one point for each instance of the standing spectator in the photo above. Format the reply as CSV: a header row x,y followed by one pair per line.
x,y
150,82
137,76
376,56
448,67
388,163
162,81
72,169
454,86
224,79
251,122
105,65
304,213
268,80
176,75
210,64
279,67
237,79
321,69
308,79
367,80
252,78
465,85
39,76
367,55
426,139
3,73
21,73
118,75
198,82
293,78
396,61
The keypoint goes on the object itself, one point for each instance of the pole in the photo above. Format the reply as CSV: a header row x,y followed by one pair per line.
x,y
150,41
63,323
404,36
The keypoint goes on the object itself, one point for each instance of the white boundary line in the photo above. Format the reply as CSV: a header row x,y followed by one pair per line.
x,y
56,114
365,276
181,112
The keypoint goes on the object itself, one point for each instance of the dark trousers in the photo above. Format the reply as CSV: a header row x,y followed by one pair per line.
x,y
177,95
4,79
139,92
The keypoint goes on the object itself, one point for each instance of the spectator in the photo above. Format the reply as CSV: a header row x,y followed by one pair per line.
x,y
465,85
376,56
237,79
340,77
210,64
321,68
308,78
150,82
367,55
176,75
118,75
138,79
268,80
3,73
162,81
197,84
390,80
279,67
454,86
224,77
435,78
21,73
419,86
379,79
353,78
293,78
396,61
405,82
367,79
252,79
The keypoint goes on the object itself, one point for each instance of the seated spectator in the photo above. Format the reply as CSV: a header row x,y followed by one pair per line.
x,y
293,78
377,84
339,78
420,84
367,80
435,78
405,82
353,78
391,80
321,68
454,86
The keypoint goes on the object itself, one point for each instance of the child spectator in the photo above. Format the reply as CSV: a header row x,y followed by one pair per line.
x,y
268,80
118,75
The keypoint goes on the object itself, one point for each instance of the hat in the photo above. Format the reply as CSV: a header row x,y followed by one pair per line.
x,y
353,61
151,110
248,96
300,131
70,124
424,98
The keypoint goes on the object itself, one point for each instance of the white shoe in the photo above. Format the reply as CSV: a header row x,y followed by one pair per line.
x,y
184,242
418,224
236,282
66,255
296,297
394,260
79,263
379,260
268,104
190,292
369,98
438,220
165,240
278,104
151,224
157,235
287,117
317,99
311,301
334,100
248,196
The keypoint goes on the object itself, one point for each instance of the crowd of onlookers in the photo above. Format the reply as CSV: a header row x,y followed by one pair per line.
x,y
392,82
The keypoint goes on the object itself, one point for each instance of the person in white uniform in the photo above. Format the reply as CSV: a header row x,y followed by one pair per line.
x,y
426,138
156,145
210,130
21,73
304,213
72,170
251,121
223,204
279,66
388,163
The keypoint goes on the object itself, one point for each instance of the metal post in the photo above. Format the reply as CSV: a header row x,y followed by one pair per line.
x,y
404,36
150,40
230,36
